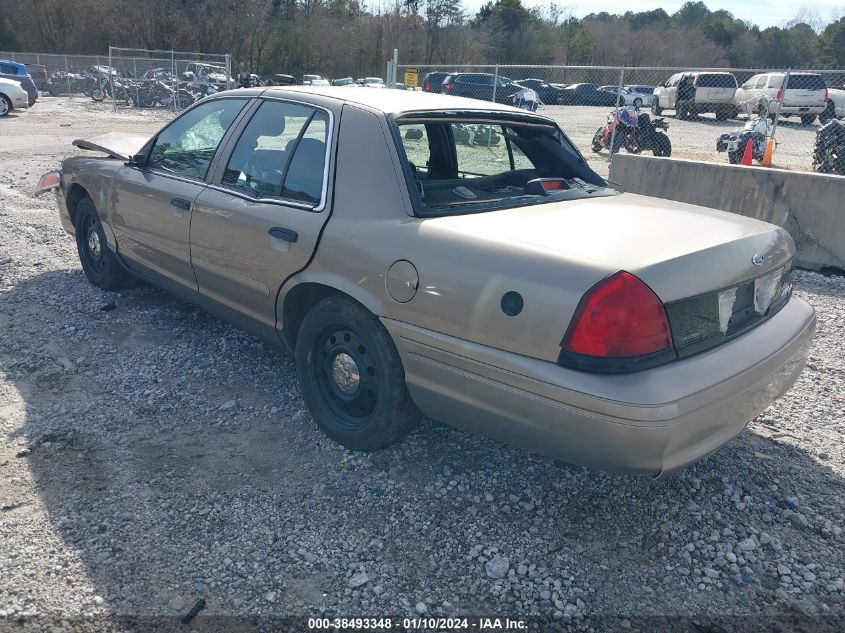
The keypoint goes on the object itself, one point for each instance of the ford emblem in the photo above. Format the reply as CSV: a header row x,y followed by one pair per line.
x,y
757,260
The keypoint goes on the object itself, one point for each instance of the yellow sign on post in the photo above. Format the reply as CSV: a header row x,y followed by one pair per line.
x,y
411,78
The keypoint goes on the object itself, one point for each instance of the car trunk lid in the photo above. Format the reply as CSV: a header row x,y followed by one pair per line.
x,y
679,250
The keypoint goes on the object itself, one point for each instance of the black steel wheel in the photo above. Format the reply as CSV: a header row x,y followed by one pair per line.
x,y
352,377
99,263
345,373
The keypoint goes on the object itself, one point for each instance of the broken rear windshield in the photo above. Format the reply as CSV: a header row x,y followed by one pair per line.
x,y
464,164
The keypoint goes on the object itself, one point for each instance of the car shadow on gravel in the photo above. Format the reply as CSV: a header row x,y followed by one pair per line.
x,y
173,457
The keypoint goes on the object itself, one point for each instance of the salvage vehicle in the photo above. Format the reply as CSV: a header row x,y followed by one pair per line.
x,y
805,94
635,131
18,72
505,289
12,96
209,73
757,131
708,92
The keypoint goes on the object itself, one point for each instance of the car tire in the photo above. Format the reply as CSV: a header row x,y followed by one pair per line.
x,y
98,94
5,105
661,145
723,114
638,103
829,113
351,376
99,262
656,110
596,144
807,119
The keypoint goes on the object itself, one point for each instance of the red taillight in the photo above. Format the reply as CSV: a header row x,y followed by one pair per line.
x,y
826,94
779,95
620,317
427,87
450,86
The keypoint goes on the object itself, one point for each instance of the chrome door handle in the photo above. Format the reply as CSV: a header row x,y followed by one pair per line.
x,y
178,206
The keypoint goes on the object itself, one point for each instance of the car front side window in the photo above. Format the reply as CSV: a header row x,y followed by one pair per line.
x,y
187,146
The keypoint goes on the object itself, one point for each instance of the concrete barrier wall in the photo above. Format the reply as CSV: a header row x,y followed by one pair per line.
x,y
810,206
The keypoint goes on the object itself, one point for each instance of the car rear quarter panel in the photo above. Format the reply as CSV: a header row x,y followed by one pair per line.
x,y
461,278
466,264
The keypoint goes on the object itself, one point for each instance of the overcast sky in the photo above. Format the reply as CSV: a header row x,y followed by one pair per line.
x,y
762,12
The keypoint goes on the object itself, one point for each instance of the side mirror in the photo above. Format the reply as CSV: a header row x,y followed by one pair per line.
x,y
137,160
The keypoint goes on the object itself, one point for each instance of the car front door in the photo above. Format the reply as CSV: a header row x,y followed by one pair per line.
x,y
153,200
259,220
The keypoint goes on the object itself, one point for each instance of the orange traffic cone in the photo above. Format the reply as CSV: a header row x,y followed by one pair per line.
x,y
747,155
767,155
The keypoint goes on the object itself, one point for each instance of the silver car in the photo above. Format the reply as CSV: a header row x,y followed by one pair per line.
x,y
427,254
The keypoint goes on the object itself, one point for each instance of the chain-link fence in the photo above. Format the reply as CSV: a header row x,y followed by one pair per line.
x,y
171,79
784,118
130,77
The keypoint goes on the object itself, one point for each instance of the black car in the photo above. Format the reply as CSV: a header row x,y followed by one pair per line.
x,y
485,86
433,82
586,94
549,94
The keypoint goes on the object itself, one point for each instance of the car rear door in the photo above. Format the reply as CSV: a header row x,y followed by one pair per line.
x,y
259,220
153,200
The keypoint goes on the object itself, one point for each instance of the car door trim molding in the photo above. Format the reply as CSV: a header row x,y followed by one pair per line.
x,y
252,284
151,243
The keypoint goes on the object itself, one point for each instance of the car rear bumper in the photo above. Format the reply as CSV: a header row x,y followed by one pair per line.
x,y
20,103
652,421
815,108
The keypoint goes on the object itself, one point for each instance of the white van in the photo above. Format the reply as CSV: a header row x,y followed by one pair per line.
x,y
805,95
714,92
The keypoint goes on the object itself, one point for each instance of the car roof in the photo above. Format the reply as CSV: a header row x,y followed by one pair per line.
x,y
386,101
18,64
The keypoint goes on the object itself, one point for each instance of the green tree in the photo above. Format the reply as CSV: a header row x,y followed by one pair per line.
x,y
831,45
7,39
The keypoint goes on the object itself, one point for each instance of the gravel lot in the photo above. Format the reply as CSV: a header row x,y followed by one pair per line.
x,y
152,456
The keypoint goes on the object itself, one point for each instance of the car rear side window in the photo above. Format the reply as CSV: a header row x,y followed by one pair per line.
x,y
304,178
806,82
262,152
470,164
187,146
716,81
